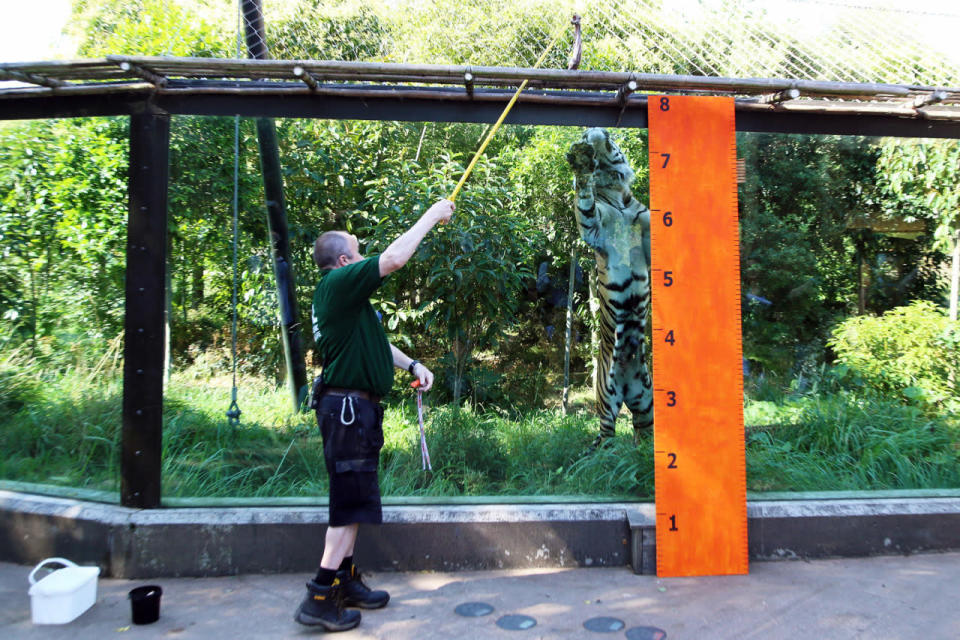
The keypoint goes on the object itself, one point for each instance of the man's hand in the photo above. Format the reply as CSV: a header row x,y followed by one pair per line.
x,y
441,211
401,249
424,375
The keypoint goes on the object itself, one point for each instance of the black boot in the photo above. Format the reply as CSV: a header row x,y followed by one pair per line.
x,y
358,594
323,607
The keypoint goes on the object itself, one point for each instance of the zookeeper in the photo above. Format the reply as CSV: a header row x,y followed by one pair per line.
x,y
358,371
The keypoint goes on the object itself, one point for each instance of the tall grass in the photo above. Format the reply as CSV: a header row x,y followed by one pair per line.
x,y
842,442
63,427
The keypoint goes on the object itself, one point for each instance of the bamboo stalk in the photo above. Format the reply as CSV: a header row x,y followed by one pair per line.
x,y
32,78
879,99
144,73
77,90
454,74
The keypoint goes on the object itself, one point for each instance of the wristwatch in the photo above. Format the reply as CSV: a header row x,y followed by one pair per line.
x,y
412,365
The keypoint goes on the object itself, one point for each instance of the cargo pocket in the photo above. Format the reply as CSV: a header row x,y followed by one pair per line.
x,y
370,430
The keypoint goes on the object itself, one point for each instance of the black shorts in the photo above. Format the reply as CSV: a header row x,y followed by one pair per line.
x,y
352,454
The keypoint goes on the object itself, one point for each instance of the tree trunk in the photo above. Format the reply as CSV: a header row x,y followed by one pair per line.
x,y
565,398
33,311
861,287
196,282
955,277
461,351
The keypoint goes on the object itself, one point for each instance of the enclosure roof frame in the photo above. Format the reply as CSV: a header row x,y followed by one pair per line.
x,y
128,85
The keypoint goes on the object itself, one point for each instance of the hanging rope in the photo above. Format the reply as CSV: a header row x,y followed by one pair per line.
x,y
233,413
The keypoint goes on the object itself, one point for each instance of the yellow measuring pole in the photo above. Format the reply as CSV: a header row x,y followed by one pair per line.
x,y
503,115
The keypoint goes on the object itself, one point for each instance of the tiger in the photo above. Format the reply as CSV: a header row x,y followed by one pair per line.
x,y
617,227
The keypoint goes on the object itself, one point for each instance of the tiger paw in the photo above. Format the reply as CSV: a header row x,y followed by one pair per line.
x,y
582,158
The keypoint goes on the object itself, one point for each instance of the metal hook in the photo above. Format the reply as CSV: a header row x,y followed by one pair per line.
x,y
343,409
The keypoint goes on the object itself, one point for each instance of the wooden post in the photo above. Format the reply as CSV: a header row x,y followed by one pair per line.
x,y
143,365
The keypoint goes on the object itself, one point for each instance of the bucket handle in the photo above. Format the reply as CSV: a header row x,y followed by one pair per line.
x,y
62,561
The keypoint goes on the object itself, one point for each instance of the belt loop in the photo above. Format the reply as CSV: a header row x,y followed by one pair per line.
x,y
343,409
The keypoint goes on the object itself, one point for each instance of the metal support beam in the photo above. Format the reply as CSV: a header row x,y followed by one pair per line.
x,y
395,105
143,362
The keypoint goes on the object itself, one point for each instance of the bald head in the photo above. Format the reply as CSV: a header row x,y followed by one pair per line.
x,y
329,247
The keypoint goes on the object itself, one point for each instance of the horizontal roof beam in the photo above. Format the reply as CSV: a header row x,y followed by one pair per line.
x,y
427,107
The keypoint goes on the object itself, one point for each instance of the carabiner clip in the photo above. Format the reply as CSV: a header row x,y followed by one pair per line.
x,y
343,409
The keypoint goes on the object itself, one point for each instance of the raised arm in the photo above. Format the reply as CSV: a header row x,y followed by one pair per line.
x,y
402,249
582,160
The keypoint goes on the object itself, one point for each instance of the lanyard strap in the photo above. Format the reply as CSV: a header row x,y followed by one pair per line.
x,y
424,453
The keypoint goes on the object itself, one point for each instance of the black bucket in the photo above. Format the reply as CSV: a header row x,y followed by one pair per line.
x,y
145,604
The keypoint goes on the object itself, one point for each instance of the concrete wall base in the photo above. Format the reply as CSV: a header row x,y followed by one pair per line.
x,y
169,542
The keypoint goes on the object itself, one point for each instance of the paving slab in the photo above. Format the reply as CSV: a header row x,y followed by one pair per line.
x,y
889,597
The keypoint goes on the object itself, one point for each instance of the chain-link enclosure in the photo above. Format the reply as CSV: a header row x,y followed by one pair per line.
x,y
842,40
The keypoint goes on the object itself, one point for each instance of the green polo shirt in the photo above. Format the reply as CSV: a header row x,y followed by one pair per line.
x,y
349,336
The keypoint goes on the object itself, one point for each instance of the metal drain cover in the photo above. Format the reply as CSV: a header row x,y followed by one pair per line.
x,y
646,633
473,609
604,625
516,622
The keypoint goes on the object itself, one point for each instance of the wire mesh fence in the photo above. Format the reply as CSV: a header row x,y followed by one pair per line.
x,y
842,40
891,41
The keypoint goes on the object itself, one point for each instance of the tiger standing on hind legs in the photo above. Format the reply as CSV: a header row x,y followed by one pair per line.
x,y
617,227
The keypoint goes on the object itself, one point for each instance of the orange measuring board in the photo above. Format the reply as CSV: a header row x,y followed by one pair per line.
x,y
699,463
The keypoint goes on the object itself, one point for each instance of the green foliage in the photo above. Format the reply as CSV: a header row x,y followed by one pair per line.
x,y
65,430
466,303
912,352
849,441
317,30
199,28
918,180
62,226
798,252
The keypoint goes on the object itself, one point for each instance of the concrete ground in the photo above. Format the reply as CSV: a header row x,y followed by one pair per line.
x,y
877,598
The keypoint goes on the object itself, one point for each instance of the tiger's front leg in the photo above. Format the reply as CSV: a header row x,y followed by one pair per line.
x,y
582,159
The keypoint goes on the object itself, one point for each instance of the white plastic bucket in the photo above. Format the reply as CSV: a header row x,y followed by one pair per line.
x,y
64,594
